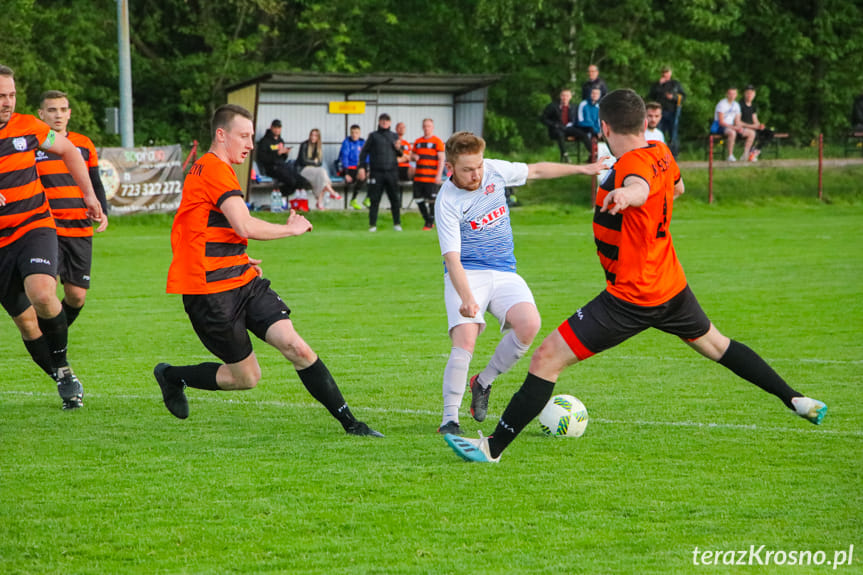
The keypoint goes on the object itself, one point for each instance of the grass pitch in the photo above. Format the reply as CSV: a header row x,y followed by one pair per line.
x,y
679,453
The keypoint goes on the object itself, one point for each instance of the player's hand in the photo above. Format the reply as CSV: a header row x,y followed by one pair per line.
x,y
361,174
596,167
256,265
298,224
2,200
94,208
469,308
103,223
348,179
616,201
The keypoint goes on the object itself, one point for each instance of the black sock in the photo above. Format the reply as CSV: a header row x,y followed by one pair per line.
x,y
523,407
201,376
322,386
424,211
747,364
38,349
71,312
56,332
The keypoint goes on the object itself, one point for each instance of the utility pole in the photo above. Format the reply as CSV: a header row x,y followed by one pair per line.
x,y
127,127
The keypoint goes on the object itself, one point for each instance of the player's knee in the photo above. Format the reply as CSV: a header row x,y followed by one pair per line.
x,y
249,378
75,298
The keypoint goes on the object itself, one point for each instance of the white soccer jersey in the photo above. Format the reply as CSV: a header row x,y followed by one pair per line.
x,y
654,134
476,224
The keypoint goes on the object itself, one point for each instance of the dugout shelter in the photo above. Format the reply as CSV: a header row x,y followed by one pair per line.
x,y
333,102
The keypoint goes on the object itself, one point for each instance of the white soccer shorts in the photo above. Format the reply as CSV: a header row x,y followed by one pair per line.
x,y
494,291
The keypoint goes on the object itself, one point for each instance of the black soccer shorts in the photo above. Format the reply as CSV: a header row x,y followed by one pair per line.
x,y
425,191
223,320
75,260
33,253
607,321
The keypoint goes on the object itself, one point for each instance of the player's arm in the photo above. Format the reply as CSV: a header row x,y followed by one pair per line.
x,y
441,162
78,169
250,227
679,188
633,193
458,277
548,170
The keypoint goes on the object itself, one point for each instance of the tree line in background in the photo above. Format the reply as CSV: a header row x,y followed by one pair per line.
x,y
804,56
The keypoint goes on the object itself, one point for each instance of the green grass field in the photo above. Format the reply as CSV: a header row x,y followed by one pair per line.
x,y
679,453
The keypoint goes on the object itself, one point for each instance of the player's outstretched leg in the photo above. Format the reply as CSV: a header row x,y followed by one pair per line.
x,y
320,383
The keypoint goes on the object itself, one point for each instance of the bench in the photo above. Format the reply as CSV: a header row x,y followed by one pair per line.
x,y
719,148
854,142
579,148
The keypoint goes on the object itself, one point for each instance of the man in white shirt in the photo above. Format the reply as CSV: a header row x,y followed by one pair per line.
x,y
726,119
654,115
476,242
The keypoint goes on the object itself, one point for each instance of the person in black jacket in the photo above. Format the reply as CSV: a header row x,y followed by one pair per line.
x,y
380,155
670,94
560,117
271,155
593,81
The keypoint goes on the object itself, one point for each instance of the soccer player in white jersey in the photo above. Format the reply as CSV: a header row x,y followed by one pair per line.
x,y
476,242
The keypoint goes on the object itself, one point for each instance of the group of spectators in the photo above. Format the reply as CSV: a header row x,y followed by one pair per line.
x,y
381,161
581,123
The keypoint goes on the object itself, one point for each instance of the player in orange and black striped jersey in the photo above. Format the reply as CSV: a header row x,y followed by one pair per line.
x,y
428,153
28,238
66,200
224,293
645,284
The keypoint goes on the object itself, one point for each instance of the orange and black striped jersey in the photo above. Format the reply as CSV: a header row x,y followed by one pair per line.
x,y
26,207
427,165
405,147
634,246
209,256
64,196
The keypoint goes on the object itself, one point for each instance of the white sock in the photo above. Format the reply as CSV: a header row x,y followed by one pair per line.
x,y
454,382
508,352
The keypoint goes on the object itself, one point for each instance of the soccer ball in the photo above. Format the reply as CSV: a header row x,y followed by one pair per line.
x,y
563,416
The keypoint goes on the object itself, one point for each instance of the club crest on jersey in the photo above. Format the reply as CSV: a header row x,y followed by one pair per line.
x,y
489,219
20,144
489,189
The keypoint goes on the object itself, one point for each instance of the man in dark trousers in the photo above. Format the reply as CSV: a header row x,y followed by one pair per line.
x,y
271,155
380,155
560,118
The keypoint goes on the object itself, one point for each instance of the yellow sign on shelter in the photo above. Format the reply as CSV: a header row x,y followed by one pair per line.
x,y
347,107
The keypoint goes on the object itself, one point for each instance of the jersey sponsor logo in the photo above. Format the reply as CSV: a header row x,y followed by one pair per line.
x,y
41,156
489,219
20,144
489,189
44,261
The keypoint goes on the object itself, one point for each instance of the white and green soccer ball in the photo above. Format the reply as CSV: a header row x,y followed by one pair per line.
x,y
563,416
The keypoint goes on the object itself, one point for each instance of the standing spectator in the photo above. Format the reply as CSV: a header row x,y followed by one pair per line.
x,y
428,153
588,113
654,116
726,121
593,81
66,200
28,239
857,113
349,159
671,95
749,119
310,161
380,154
405,170
271,155
224,292
560,117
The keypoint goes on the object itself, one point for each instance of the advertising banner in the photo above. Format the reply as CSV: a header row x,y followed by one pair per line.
x,y
142,180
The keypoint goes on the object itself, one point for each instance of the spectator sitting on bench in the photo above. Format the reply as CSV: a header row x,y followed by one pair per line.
x,y
271,155
560,118
588,114
311,160
349,158
749,119
726,121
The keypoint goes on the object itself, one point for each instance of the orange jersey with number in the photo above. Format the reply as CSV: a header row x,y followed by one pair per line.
x,y
26,207
209,256
427,165
64,196
634,246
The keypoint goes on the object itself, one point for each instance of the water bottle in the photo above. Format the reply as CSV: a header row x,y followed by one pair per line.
x,y
276,201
